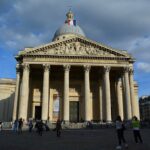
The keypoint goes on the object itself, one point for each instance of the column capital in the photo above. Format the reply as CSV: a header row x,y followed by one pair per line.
x,y
46,67
87,68
126,69
67,67
18,68
107,68
26,66
131,71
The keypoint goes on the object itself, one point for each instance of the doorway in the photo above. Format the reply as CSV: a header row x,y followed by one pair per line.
x,y
74,111
37,112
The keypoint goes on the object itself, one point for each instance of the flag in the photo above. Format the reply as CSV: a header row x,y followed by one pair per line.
x,y
74,22
71,22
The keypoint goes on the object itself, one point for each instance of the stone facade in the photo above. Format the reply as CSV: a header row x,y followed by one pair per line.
x,y
75,79
7,94
99,81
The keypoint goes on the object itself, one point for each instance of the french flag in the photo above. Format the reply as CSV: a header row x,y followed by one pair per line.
x,y
72,22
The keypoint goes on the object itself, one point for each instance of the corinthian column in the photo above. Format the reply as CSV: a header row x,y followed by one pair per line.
x,y
66,93
120,99
134,102
127,94
14,117
45,92
87,93
107,93
100,101
24,95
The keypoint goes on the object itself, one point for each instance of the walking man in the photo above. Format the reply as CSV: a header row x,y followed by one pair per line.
x,y
58,127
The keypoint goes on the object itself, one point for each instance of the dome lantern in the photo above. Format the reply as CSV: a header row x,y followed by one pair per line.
x,y
69,28
70,15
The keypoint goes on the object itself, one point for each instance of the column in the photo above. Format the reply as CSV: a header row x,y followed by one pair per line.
x,y
87,93
100,101
120,99
14,117
134,102
107,93
127,94
66,93
45,98
24,94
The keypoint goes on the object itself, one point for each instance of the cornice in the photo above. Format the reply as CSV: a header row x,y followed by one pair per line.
x,y
78,57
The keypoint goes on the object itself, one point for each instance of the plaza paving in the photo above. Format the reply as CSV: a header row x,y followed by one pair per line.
x,y
100,139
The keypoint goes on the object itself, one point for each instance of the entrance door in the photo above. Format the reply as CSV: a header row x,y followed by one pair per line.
x,y
38,112
74,111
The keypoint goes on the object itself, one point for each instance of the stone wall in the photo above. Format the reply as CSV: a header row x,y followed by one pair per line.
x,y
7,93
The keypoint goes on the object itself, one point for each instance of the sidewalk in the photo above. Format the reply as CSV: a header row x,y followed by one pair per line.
x,y
102,139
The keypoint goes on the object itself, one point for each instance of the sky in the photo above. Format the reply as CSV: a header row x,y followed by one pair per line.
x,y
121,24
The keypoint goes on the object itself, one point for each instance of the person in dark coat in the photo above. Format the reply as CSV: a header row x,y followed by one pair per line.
x,y
30,124
58,128
20,125
40,127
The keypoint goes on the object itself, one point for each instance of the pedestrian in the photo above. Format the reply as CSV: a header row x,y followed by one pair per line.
x,y
39,126
15,125
20,125
89,124
30,124
1,126
46,127
136,129
58,128
120,133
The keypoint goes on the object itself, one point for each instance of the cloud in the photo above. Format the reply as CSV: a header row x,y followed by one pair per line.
x,y
116,23
122,24
142,66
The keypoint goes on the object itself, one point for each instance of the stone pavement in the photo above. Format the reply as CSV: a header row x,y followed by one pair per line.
x,y
100,139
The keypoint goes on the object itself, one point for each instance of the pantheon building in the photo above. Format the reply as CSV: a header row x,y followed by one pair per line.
x,y
75,79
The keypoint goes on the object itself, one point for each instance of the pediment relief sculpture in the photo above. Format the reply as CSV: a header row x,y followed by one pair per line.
x,y
74,48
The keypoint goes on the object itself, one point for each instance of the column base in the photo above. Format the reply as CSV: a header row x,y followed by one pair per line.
x,y
66,122
109,121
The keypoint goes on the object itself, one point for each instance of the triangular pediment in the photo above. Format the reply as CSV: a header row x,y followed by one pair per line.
x,y
76,46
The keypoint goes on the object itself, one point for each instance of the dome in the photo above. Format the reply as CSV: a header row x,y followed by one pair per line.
x,y
69,27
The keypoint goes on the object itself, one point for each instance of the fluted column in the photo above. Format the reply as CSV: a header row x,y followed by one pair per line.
x,y
107,93
134,102
24,95
45,97
87,92
127,94
66,93
14,117
120,99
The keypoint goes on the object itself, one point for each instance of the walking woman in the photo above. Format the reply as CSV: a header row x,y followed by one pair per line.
x,y
120,133
136,129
